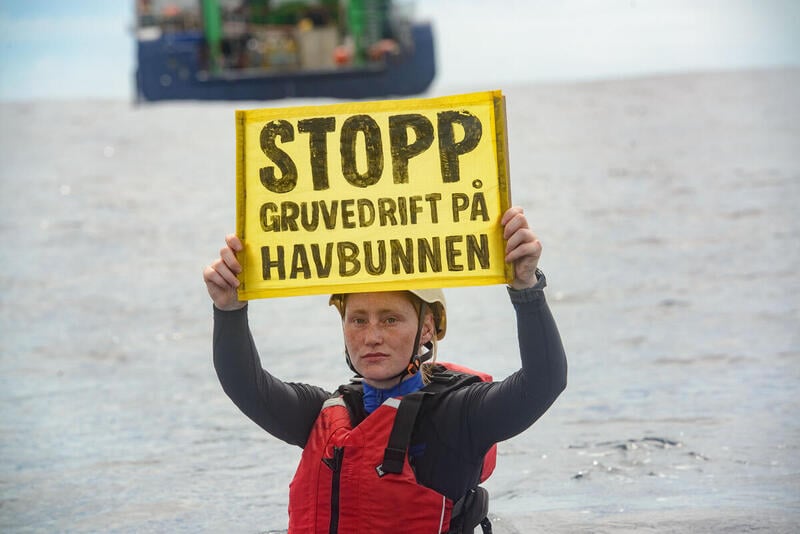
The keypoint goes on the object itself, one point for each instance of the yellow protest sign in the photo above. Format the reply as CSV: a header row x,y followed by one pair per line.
x,y
372,196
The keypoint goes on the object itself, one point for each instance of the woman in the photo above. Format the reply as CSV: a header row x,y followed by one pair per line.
x,y
398,450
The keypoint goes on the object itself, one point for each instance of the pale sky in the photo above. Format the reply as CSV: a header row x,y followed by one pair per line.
x,y
85,48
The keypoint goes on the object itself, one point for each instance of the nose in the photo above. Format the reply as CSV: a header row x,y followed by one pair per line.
x,y
373,335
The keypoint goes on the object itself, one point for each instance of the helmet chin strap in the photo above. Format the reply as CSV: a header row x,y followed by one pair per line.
x,y
415,362
350,363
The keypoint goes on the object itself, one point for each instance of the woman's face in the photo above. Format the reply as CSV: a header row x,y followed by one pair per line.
x,y
379,332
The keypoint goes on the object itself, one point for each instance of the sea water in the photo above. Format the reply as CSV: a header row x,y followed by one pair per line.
x,y
668,212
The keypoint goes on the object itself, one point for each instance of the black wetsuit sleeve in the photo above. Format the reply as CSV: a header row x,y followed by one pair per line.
x,y
285,410
459,430
500,410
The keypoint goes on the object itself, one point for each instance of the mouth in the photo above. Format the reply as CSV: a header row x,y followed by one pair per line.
x,y
374,356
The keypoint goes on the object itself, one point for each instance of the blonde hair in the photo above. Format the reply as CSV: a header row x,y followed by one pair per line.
x,y
427,368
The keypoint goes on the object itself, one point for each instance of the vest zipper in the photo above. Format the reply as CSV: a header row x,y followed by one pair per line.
x,y
335,464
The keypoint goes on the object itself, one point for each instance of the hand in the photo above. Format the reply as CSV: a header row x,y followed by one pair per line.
x,y
220,276
523,248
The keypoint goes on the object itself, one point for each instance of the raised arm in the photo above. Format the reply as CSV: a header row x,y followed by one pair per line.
x,y
285,410
501,410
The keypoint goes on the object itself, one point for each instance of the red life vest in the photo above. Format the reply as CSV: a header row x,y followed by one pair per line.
x,y
340,485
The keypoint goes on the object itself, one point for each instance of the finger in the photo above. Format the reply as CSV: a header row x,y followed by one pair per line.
x,y
233,241
228,256
511,213
520,236
514,224
532,250
228,277
215,281
212,277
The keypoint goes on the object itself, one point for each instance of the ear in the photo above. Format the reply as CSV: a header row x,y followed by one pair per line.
x,y
428,329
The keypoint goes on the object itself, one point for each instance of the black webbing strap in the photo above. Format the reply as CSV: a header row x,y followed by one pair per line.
x,y
442,381
395,453
353,396
470,511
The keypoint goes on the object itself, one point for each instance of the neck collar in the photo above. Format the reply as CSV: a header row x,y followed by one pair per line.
x,y
374,397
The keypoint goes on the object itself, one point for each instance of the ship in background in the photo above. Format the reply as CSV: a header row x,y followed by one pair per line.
x,y
271,49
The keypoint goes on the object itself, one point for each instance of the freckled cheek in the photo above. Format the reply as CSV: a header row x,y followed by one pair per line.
x,y
350,341
355,341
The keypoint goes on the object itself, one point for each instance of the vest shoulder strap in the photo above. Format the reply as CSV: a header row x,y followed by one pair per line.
x,y
353,396
443,381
